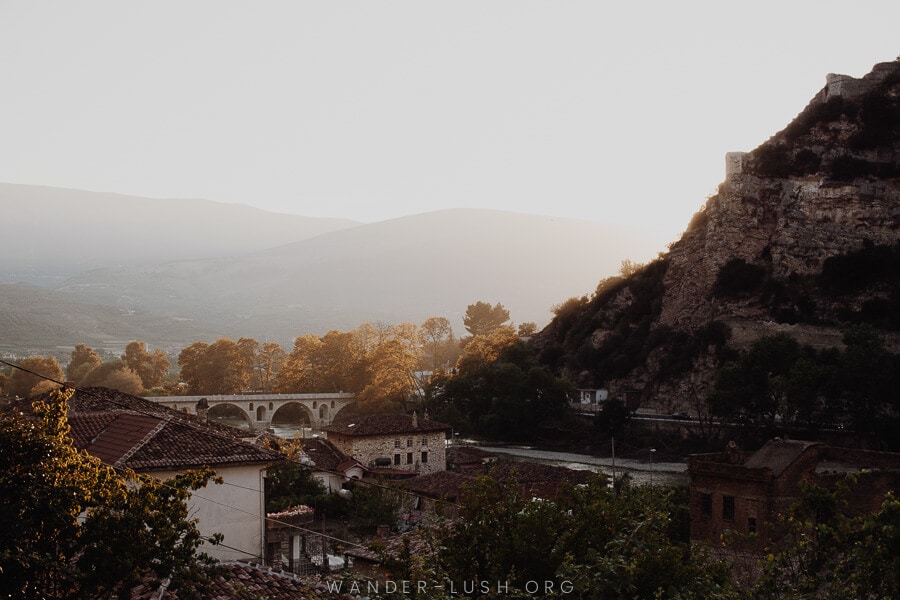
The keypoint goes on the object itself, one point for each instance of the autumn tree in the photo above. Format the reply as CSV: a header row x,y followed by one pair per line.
x,y
74,528
391,380
82,362
151,367
485,348
269,359
481,318
437,342
217,368
331,363
115,374
36,375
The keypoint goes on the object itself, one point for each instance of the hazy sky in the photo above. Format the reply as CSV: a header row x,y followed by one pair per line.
x,y
369,110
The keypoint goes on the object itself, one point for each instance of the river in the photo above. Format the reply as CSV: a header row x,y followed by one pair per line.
x,y
641,472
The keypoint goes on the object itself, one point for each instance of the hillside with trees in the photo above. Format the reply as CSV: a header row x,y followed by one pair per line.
x,y
801,241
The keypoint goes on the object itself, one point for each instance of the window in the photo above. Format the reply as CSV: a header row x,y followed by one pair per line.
x,y
728,508
424,457
409,443
396,443
705,505
409,458
396,459
751,525
424,441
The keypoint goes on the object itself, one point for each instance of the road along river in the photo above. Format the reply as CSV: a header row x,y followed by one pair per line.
x,y
642,472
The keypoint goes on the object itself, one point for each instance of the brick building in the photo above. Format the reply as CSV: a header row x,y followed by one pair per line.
x,y
743,493
400,444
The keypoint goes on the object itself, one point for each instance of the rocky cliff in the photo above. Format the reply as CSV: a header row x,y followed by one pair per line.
x,y
803,236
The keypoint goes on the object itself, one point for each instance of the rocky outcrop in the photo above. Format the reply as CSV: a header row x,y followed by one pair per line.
x,y
753,258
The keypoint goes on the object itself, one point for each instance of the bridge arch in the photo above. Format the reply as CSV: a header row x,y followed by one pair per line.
x,y
290,412
230,411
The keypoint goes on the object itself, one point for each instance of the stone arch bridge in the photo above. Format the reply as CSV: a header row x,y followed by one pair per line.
x,y
260,409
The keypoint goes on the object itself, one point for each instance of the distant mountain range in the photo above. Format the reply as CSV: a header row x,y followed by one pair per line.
x,y
104,269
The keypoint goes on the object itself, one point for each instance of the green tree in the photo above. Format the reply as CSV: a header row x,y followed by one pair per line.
x,y
763,383
481,318
83,361
868,385
33,376
830,554
527,329
74,528
151,367
499,390
605,545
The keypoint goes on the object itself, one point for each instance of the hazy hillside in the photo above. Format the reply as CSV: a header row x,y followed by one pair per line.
x,y
803,237
49,233
36,319
405,269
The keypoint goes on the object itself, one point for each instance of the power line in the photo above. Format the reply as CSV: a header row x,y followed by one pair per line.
x,y
193,494
145,413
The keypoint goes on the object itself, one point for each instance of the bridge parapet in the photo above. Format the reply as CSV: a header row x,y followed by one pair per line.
x,y
260,408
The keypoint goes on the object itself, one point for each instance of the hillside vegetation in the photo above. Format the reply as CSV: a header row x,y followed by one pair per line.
x,y
803,238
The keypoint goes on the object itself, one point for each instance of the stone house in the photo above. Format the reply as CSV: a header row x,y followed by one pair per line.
x,y
128,432
393,443
741,493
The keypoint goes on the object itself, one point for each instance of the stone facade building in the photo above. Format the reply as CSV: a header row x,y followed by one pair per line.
x,y
393,443
741,493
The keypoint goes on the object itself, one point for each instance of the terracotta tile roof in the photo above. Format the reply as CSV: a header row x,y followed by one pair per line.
x,y
468,455
446,485
533,472
535,479
322,452
243,580
127,431
419,545
778,454
386,424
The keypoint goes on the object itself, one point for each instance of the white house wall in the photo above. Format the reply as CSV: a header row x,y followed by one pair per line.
x,y
235,508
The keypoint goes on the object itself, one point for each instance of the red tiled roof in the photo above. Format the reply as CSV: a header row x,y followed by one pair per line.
x,y
127,431
326,455
386,424
242,580
778,454
446,485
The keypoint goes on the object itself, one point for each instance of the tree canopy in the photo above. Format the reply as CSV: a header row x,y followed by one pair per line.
x,y
481,318
74,528
33,377
778,382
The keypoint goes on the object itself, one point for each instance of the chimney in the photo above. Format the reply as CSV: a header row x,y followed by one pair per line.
x,y
415,420
203,409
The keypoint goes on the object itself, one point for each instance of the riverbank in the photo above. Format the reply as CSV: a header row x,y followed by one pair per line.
x,y
650,471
